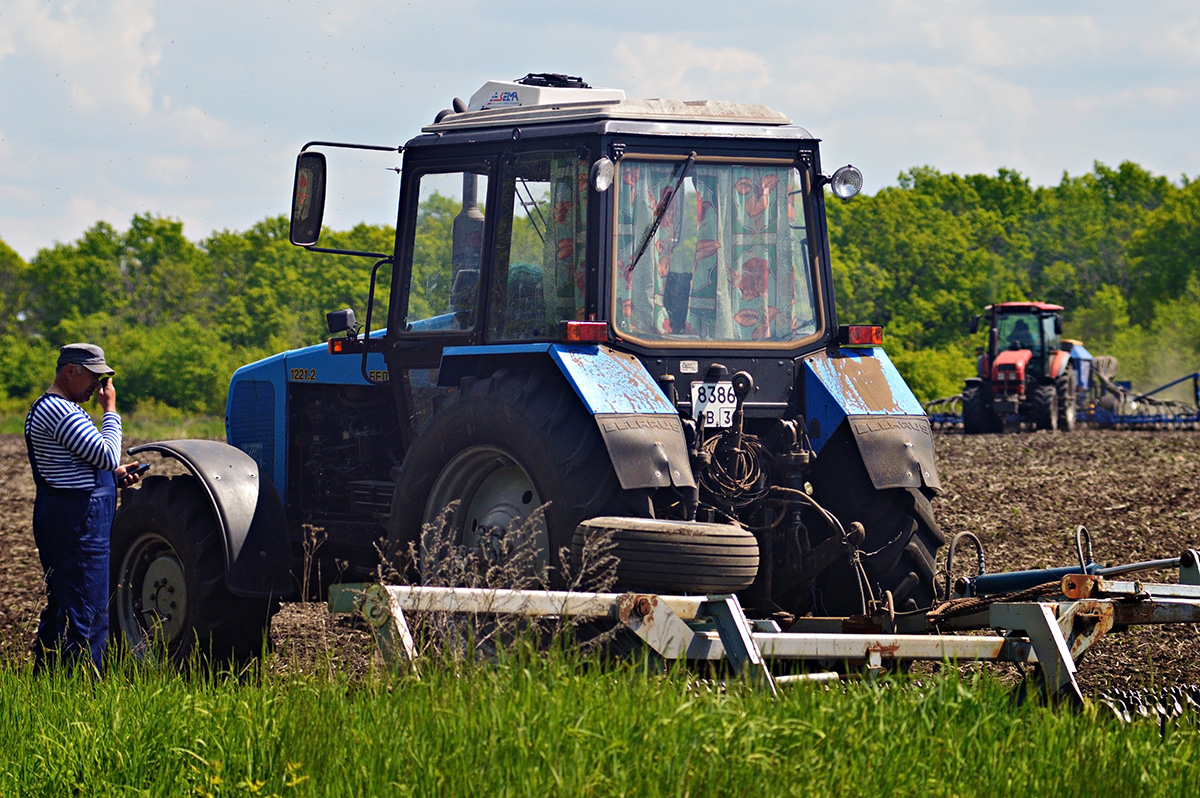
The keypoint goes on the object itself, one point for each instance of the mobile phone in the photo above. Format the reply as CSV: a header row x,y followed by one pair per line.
x,y
142,469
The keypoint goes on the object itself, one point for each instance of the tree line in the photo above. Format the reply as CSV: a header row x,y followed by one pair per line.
x,y
1119,248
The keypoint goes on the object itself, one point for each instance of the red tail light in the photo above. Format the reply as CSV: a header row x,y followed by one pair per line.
x,y
860,335
584,332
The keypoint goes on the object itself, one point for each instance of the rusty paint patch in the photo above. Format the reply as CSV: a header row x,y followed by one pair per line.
x,y
610,381
864,383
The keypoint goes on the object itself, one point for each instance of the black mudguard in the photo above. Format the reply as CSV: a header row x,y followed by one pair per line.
x,y
897,450
249,510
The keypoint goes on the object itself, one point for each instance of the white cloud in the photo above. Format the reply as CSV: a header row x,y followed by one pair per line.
x,y
193,127
1177,42
167,169
677,66
104,51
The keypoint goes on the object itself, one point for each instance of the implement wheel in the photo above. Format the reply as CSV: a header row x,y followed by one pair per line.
x,y
1065,387
168,577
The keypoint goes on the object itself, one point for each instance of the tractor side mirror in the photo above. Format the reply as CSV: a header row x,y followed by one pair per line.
x,y
1058,325
308,199
974,324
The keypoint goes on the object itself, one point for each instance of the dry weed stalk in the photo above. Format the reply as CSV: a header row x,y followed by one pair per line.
x,y
509,559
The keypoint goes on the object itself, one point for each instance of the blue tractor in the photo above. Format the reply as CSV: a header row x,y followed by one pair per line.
x,y
604,317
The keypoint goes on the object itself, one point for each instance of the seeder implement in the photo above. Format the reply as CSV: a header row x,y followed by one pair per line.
x,y
1047,626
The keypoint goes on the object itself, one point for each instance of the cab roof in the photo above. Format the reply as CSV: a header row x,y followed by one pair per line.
x,y
546,98
1015,307
654,110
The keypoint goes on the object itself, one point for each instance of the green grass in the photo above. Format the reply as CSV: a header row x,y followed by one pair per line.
x,y
557,724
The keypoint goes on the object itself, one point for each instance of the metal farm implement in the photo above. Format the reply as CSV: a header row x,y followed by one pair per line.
x,y
1042,619
1106,403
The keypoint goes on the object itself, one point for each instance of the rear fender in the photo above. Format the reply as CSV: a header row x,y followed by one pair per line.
x,y
248,510
862,388
640,427
1059,363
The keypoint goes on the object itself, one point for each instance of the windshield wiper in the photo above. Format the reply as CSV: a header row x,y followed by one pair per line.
x,y
664,205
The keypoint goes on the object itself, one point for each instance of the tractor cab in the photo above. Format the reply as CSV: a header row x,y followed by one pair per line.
x,y
1022,336
1023,375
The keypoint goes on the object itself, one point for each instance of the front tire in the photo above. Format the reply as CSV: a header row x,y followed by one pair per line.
x,y
978,415
1045,407
168,577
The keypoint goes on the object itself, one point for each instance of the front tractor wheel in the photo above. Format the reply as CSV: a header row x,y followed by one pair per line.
x,y
168,577
978,414
1045,407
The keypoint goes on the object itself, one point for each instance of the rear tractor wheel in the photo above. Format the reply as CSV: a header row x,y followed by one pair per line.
x,y
502,448
902,536
1065,388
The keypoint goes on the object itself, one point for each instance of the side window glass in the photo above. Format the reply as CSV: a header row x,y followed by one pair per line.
x,y
539,267
447,252
1052,338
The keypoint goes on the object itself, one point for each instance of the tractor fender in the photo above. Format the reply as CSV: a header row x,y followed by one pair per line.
x,y
1059,364
640,427
248,510
862,388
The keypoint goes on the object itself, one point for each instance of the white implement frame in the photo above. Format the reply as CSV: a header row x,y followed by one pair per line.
x,y
1052,633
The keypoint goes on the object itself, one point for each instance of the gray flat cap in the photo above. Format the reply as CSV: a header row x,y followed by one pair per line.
x,y
89,356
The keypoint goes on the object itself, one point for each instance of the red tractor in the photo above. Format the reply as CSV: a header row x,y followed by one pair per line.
x,y
1025,374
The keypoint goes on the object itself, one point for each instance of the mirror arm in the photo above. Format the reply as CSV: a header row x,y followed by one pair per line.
x,y
354,252
367,331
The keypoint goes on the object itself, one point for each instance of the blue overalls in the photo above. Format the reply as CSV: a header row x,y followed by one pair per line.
x,y
72,530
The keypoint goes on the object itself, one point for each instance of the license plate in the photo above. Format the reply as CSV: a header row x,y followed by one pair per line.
x,y
714,402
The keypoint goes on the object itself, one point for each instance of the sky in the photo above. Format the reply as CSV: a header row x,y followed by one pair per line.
x,y
196,110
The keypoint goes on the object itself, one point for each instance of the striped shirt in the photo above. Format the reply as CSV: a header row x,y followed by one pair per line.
x,y
67,447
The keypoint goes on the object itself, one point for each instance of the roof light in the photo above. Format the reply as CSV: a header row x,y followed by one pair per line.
x,y
846,182
584,332
860,335
603,171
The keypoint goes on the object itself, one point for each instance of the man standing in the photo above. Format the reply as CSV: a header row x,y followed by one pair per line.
x,y
76,469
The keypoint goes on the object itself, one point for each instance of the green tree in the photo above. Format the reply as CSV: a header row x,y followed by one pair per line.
x,y
1080,230
14,289
75,280
923,257
1165,251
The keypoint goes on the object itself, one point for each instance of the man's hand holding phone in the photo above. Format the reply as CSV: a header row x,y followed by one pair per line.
x,y
130,473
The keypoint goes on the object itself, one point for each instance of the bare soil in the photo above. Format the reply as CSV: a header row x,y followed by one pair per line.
x,y
1023,494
